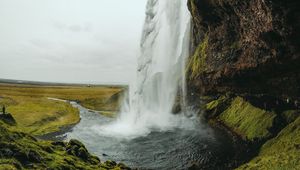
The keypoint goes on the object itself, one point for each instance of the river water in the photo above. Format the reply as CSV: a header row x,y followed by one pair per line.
x,y
177,148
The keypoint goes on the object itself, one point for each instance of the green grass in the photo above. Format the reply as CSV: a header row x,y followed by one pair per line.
x,y
91,97
279,153
37,115
250,122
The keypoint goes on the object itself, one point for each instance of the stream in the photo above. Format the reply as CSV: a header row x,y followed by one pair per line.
x,y
173,149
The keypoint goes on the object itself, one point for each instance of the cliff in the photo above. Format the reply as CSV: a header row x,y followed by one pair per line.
x,y
245,68
249,46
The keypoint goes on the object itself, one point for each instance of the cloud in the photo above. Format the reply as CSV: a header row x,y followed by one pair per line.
x,y
70,41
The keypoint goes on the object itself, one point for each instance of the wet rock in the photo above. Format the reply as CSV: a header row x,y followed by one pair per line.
x,y
109,164
123,166
83,153
74,142
76,148
94,160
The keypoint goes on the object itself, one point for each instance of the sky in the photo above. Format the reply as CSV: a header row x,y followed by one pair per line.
x,y
72,41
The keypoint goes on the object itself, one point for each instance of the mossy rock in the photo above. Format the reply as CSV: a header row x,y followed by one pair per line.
x,y
281,152
10,164
21,151
76,148
112,165
216,107
197,62
251,122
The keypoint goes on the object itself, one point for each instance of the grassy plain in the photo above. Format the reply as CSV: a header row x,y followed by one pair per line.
x,y
36,114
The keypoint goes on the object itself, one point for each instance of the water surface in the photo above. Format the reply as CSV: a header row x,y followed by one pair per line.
x,y
177,148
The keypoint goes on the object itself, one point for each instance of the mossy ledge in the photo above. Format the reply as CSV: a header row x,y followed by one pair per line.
x,y
272,135
21,151
250,122
281,152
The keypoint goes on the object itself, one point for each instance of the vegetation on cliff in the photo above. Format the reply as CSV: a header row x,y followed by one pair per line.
x,y
281,152
253,47
197,63
253,52
250,122
256,125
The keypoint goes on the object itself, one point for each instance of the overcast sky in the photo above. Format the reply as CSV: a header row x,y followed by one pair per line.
x,y
70,40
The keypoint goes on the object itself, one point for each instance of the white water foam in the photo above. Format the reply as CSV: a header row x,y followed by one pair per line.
x,y
160,72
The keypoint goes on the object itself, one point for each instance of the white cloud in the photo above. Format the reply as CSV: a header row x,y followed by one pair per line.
x,y
70,40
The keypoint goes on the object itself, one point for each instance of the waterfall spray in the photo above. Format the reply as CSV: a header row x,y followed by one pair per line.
x,y
164,49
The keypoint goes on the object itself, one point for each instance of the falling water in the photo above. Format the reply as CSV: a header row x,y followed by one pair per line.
x,y
164,48
158,139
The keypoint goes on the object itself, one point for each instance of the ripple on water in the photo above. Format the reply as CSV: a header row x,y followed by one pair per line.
x,y
172,149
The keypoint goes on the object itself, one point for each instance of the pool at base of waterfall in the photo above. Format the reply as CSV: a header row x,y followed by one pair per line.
x,y
176,148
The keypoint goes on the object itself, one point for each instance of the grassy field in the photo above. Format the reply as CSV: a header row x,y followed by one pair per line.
x,y
36,114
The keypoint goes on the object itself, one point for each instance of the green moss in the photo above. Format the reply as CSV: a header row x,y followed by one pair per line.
x,y
193,7
281,152
197,63
21,151
10,164
216,107
290,115
215,103
250,122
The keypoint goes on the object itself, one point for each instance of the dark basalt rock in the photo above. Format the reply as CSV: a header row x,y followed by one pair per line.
x,y
59,143
252,47
8,118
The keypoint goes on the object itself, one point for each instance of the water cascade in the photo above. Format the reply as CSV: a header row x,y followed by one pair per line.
x,y
164,48
146,135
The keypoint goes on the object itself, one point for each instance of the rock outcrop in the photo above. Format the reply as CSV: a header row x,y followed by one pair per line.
x,y
249,46
8,118
245,58
21,151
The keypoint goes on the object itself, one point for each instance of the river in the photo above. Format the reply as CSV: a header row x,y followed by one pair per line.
x,y
172,149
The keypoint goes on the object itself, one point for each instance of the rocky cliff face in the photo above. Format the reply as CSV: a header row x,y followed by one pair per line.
x,y
245,66
249,46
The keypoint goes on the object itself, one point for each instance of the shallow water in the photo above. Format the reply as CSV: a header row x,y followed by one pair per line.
x,y
177,148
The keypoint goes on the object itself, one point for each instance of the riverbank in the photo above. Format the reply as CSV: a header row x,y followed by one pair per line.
x,y
209,147
36,114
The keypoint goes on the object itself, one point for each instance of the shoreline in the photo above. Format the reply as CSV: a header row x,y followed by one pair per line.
x,y
241,147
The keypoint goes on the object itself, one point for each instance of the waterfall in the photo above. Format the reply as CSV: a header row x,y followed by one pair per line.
x,y
161,67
